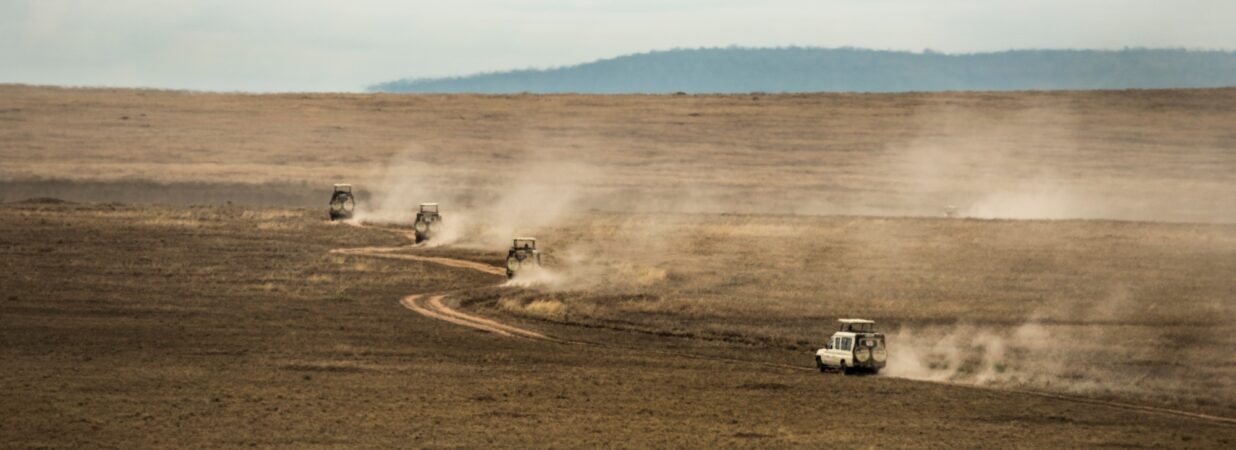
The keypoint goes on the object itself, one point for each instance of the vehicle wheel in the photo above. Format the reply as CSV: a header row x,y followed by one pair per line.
x,y
419,238
820,365
845,369
875,372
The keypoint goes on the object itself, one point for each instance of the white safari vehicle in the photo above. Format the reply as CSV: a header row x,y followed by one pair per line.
x,y
855,347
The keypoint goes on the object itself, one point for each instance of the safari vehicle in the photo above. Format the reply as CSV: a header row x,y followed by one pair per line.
x,y
342,203
855,347
428,222
522,256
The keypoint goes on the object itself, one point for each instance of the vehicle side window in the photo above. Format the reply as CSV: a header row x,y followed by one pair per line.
x,y
845,343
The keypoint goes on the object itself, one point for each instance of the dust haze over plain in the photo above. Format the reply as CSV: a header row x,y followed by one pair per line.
x,y
320,45
1011,166
1006,167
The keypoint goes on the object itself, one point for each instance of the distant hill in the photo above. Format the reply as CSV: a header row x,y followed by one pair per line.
x,y
797,69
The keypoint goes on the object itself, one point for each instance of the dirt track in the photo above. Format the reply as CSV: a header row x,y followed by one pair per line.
x,y
435,306
432,305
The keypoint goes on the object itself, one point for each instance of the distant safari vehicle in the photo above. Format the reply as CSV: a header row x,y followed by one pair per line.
x,y
855,347
428,222
342,204
523,256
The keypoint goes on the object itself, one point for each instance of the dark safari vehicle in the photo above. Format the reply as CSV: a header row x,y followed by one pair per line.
x,y
428,222
523,256
342,204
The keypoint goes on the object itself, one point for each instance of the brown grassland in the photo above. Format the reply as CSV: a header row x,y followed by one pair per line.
x,y
1014,302
1096,258
137,326
1148,155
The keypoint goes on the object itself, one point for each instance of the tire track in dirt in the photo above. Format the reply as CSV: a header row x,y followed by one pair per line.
x,y
434,306
388,253
431,305
416,302
1120,405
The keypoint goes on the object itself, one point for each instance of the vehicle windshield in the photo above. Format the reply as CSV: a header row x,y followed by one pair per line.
x,y
429,208
525,244
858,327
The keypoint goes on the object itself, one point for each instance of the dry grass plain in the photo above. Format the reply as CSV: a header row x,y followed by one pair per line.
x,y
126,326
1146,155
1128,310
735,226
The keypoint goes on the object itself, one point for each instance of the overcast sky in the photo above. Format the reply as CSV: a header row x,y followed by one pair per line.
x,y
337,45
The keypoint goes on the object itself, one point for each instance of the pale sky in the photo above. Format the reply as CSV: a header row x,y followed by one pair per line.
x,y
338,45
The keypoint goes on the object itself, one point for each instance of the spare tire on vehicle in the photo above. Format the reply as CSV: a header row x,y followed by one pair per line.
x,y
342,204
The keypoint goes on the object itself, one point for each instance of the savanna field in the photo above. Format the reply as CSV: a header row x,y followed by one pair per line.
x,y
698,250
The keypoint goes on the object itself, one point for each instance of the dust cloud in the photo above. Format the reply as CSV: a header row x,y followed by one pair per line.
x,y
538,192
975,354
1108,348
603,252
1034,163
597,233
483,212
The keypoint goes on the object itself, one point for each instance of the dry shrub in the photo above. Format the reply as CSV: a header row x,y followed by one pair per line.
x,y
320,278
510,305
638,275
269,214
541,309
170,222
280,226
546,309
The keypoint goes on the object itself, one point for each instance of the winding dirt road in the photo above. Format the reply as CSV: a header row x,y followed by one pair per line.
x,y
388,252
435,305
438,306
